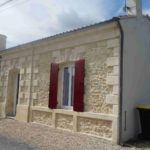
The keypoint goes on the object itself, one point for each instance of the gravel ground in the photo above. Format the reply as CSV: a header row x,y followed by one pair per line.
x,y
46,138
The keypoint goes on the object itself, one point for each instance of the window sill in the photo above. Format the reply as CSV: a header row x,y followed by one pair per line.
x,y
66,108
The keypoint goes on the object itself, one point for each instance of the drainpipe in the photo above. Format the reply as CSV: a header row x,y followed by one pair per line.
x,y
121,84
29,104
0,63
0,60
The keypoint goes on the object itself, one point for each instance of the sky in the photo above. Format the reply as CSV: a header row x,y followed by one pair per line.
x,y
36,19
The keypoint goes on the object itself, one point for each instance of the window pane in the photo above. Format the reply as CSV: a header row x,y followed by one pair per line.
x,y
72,85
66,87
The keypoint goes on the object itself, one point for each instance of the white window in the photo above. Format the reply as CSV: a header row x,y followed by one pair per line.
x,y
68,85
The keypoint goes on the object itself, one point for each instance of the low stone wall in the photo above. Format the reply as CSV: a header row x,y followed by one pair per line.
x,y
104,126
64,121
42,117
96,127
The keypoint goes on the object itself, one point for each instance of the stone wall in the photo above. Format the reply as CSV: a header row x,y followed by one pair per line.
x,y
96,89
101,97
101,50
101,87
42,77
9,70
64,122
3,81
23,64
25,76
97,71
42,118
95,127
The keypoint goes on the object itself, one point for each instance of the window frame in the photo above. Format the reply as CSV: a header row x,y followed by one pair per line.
x,y
62,87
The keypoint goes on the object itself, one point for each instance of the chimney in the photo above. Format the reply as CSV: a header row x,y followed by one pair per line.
x,y
135,8
2,42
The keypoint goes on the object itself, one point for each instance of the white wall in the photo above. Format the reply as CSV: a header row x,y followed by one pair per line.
x,y
136,72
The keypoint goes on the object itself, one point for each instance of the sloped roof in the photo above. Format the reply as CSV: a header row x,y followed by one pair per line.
x,y
64,33
71,31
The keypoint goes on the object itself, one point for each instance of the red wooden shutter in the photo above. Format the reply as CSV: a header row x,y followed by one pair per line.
x,y
53,86
79,86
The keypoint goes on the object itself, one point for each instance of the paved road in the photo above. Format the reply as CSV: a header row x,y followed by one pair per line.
x,y
8,144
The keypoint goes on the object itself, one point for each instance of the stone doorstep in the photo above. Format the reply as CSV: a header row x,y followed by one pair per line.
x,y
11,117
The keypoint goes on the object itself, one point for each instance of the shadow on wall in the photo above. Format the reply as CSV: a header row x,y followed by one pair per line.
x,y
12,92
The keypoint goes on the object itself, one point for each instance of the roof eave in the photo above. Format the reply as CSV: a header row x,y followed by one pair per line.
x,y
63,34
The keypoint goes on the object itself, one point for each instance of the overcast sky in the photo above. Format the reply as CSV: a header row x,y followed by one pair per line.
x,y
37,19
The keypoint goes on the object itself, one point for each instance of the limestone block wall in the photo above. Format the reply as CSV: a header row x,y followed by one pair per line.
x,y
104,126
97,71
3,81
95,127
64,122
100,47
41,79
25,77
101,89
113,79
42,118
23,66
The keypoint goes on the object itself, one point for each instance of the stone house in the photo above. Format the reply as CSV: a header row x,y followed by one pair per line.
x,y
87,80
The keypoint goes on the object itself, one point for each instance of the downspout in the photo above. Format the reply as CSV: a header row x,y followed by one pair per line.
x,y
121,84
0,62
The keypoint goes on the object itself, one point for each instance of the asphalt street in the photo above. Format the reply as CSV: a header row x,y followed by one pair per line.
x,y
8,144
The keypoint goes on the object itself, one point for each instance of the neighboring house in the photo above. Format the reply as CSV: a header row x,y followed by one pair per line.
x,y
87,80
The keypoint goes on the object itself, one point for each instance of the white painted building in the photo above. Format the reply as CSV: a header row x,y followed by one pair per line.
x,y
88,80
